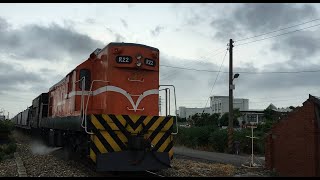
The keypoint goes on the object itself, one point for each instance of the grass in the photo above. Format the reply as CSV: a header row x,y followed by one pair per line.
x,y
8,145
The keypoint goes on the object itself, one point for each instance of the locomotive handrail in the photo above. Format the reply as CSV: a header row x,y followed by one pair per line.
x,y
82,98
136,80
86,109
175,103
166,100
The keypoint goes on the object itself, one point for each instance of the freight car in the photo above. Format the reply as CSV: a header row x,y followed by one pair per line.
x,y
106,109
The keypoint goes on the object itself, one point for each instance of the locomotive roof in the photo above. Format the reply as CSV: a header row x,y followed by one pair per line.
x,y
108,45
129,44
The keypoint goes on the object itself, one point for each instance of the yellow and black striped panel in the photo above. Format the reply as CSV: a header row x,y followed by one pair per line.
x,y
111,132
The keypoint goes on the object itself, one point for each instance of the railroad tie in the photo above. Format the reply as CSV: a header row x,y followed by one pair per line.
x,y
20,167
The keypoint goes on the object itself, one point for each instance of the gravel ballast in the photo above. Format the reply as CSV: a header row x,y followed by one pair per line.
x,y
42,161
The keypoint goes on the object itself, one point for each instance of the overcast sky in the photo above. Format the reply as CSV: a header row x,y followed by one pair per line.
x,y
41,43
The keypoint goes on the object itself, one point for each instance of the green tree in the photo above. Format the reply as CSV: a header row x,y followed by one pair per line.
x,y
179,119
224,120
205,119
213,120
199,119
195,119
268,114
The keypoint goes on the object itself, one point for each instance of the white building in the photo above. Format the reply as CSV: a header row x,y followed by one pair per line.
x,y
185,112
220,104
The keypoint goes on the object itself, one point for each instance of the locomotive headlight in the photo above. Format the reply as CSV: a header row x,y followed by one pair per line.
x,y
139,63
139,57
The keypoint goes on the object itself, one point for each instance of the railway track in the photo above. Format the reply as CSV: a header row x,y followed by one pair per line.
x,y
132,174
84,168
118,174
154,174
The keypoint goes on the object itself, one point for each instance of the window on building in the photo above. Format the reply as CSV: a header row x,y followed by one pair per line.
x,y
251,118
85,73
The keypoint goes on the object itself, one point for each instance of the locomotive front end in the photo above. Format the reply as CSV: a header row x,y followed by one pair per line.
x,y
122,112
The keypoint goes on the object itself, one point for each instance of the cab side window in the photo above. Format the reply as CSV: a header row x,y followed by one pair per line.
x,y
85,73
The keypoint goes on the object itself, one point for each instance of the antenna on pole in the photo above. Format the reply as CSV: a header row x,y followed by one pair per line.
x,y
251,163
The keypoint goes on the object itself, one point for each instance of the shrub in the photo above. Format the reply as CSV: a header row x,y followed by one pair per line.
x,y
245,142
2,155
6,126
7,150
10,148
218,140
194,136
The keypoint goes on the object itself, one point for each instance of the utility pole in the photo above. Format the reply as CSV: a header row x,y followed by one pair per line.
x,y
231,87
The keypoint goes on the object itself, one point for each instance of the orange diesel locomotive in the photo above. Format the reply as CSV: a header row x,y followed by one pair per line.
x,y
107,109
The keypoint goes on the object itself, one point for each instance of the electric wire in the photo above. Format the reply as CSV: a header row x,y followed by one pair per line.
x,y
277,30
215,79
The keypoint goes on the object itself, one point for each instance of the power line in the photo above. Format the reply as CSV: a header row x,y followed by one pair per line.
x,y
215,79
244,72
279,72
278,35
176,67
170,74
278,30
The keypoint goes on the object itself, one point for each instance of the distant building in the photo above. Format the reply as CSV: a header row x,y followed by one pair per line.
x,y
185,112
256,116
220,104
274,108
252,116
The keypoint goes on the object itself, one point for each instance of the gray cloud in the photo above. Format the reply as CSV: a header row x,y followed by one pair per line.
x,y
124,23
197,84
275,83
226,29
157,30
258,18
13,77
298,46
3,24
51,43
118,37
90,21
196,19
